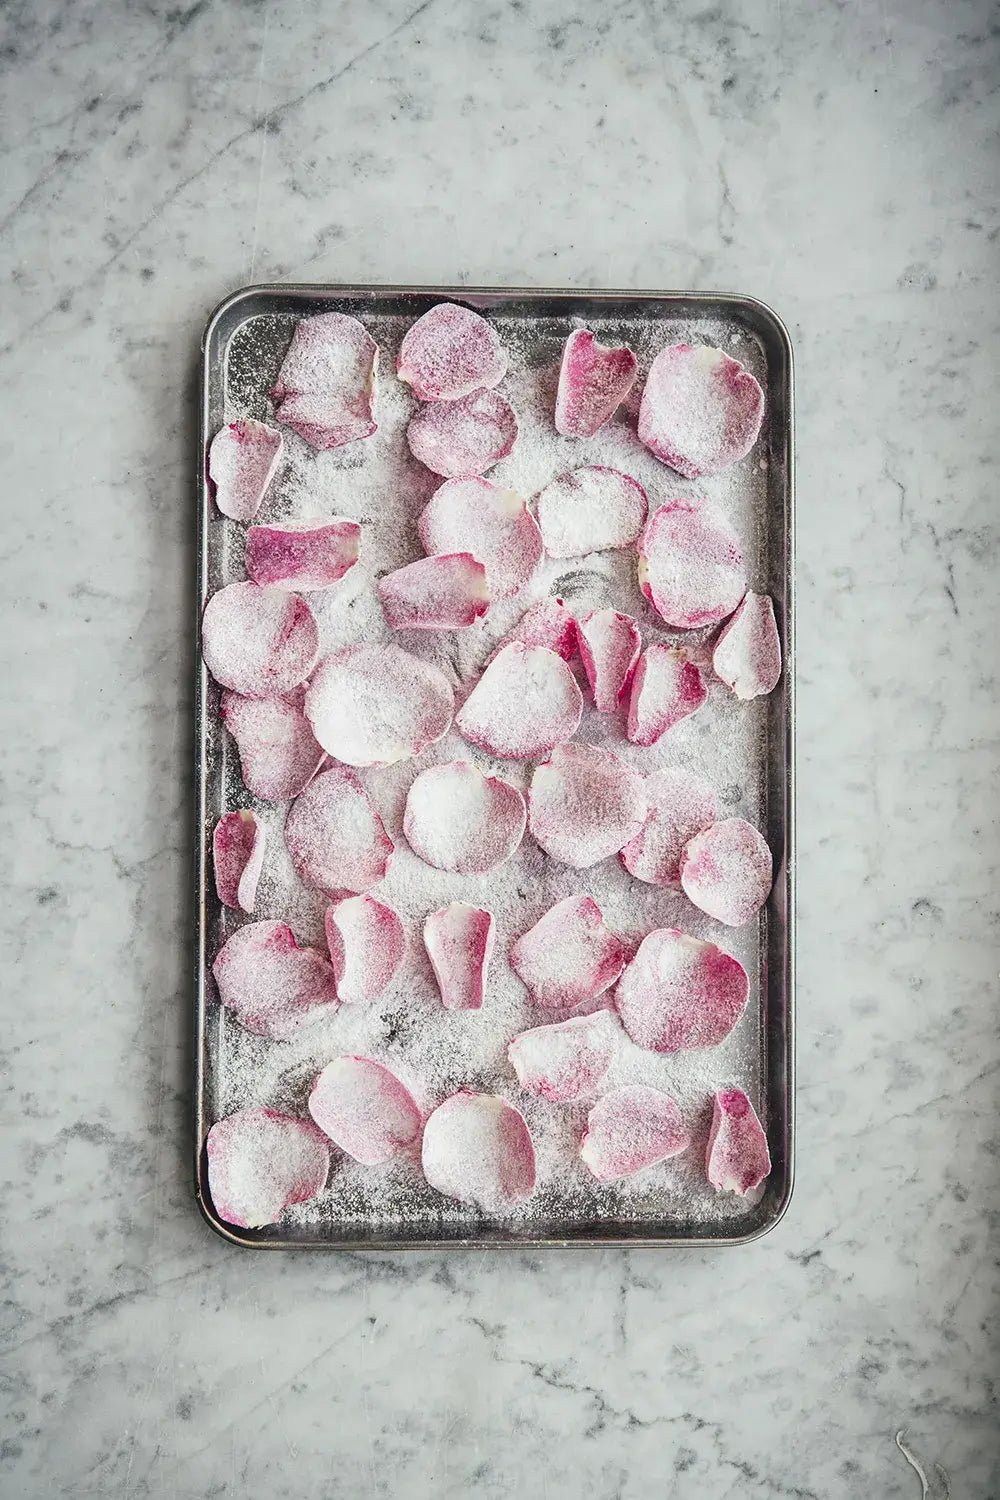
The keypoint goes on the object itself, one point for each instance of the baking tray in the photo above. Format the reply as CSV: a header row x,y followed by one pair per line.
x,y
242,349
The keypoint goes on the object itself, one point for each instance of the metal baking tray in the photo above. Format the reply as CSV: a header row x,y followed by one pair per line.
x,y
242,349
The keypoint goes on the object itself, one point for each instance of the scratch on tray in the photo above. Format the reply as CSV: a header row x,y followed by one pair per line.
x,y
919,1469
263,145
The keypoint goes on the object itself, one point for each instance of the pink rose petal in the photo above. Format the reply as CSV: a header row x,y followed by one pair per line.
x,y
547,623
584,803
242,461
726,871
631,1128
458,819
460,439
238,855
679,992
690,564
477,1149
747,655
449,353
459,942
526,702
666,688
737,1159
592,509
609,649
700,411
259,642
566,1060
594,380
336,839
365,1109
435,593
271,985
372,705
679,805
569,956
326,385
303,554
279,754
260,1162
494,524
367,943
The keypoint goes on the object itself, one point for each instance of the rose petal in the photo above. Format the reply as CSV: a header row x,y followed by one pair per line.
x,y
494,524
460,439
271,985
679,805
242,461
631,1128
666,688
238,855
584,803
690,564
737,1159
566,1060
260,1162
435,593
569,956
594,380
365,1109
747,655
526,702
303,554
367,943
259,642
326,386
336,839
279,754
591,510
547,623
459,942
458,819
373,705
609,649
449,353
679,992
726,871
700,411
477,1148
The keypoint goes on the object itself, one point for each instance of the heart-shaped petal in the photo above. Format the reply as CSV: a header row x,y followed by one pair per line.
x,y
259,642
260,1162
701,410
372,705
526,702
458,819
569,956
478,1149
367,943
584,804
461,439
727,871
242,460
566,1060
679,992
631,1128
450,352
435,593
490,522
336,839
690,564
270,984
594,380
307,555
365,1109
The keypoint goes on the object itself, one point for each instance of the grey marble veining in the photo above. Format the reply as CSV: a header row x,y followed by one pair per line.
x,y
838,161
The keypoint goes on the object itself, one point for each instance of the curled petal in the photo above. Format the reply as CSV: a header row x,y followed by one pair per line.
x,y
336,839
372,705
569,956
747,655
477,1149
584,804
526,702
666,688
458,819
461,439
367,943
326,386
459,942
609,649
679,993
364,1109
490,522
238,855
726,871
701,410
270,984
690,564
592,509
632,1128
449,353
435,593
547,623
260,1162
679,805
594,380
279,754
304,555
242,460
737,1159
567,1060
259,642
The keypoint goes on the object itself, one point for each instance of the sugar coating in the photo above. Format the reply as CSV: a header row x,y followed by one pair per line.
x,y
736,1159
526,702
326,386
243,458
547,623
679,805
336,839
365,1109
632,1128
367,944
375,704
260,1162
238,858
269,984
609,644
462,439
279,754
450,352
488,521
258,642
701,410
566,1060
665,688
589,510
747,655
477,1149
458,819
726,871
308,554
679,992
691,564
584,804
435,593
459,940
594,380
569,956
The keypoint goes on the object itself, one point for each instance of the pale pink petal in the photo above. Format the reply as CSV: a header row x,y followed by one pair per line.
x,y
478,1149
449,353
747,655
260,1162
460,439
279,754
259,642
679,805
306,555
326,386
365,1109
367,943
631,1128
584,803
526,702
679,992
336,839
609,649
666,688
569,956
726,871
238,856
566,1060
372,705
458,819
594,380
737,1159
435,593
700,411
592,509
494,524
547,623
459,942
690,564
271,985
242,461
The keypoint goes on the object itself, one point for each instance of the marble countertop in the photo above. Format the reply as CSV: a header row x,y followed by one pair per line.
x,y
839,162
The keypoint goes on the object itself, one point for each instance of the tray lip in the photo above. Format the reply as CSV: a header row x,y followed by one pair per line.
x,y
766,315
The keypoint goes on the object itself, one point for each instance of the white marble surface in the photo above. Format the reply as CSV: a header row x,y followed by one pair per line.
x,y
838,161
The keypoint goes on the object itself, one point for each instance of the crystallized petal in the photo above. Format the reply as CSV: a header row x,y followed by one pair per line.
x,y
609,649
569,956
726,871
242,460
594,380
584,804
547,623
303,554
271,985
526,702
259,642
592,509
690,564
632,1128
279,754
747,655
435,593
737,1159
666,688
494,524
679,992
700,411
238,856
459,942
326,385
566,1060
458,819
460,439
365,1109
260,1162
679,805
366,942
336,839
477,1148
372,705
449,353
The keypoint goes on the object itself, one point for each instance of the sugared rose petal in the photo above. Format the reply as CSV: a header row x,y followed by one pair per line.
x,y
326,385
459,943
594,380
584,804
366,942
458,819
435,593
238,855
737,1159
569,956
242,460
679,805
547,623
271,985
747,655
590,510
477,1148
460,439
260,1162
365,1109
690,564
303,554
726,871
700,411
666,688
526,702
259,642
449,353
335,837
609,649
566,1060
373,705
632,1128
279,754
494,524
679,992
